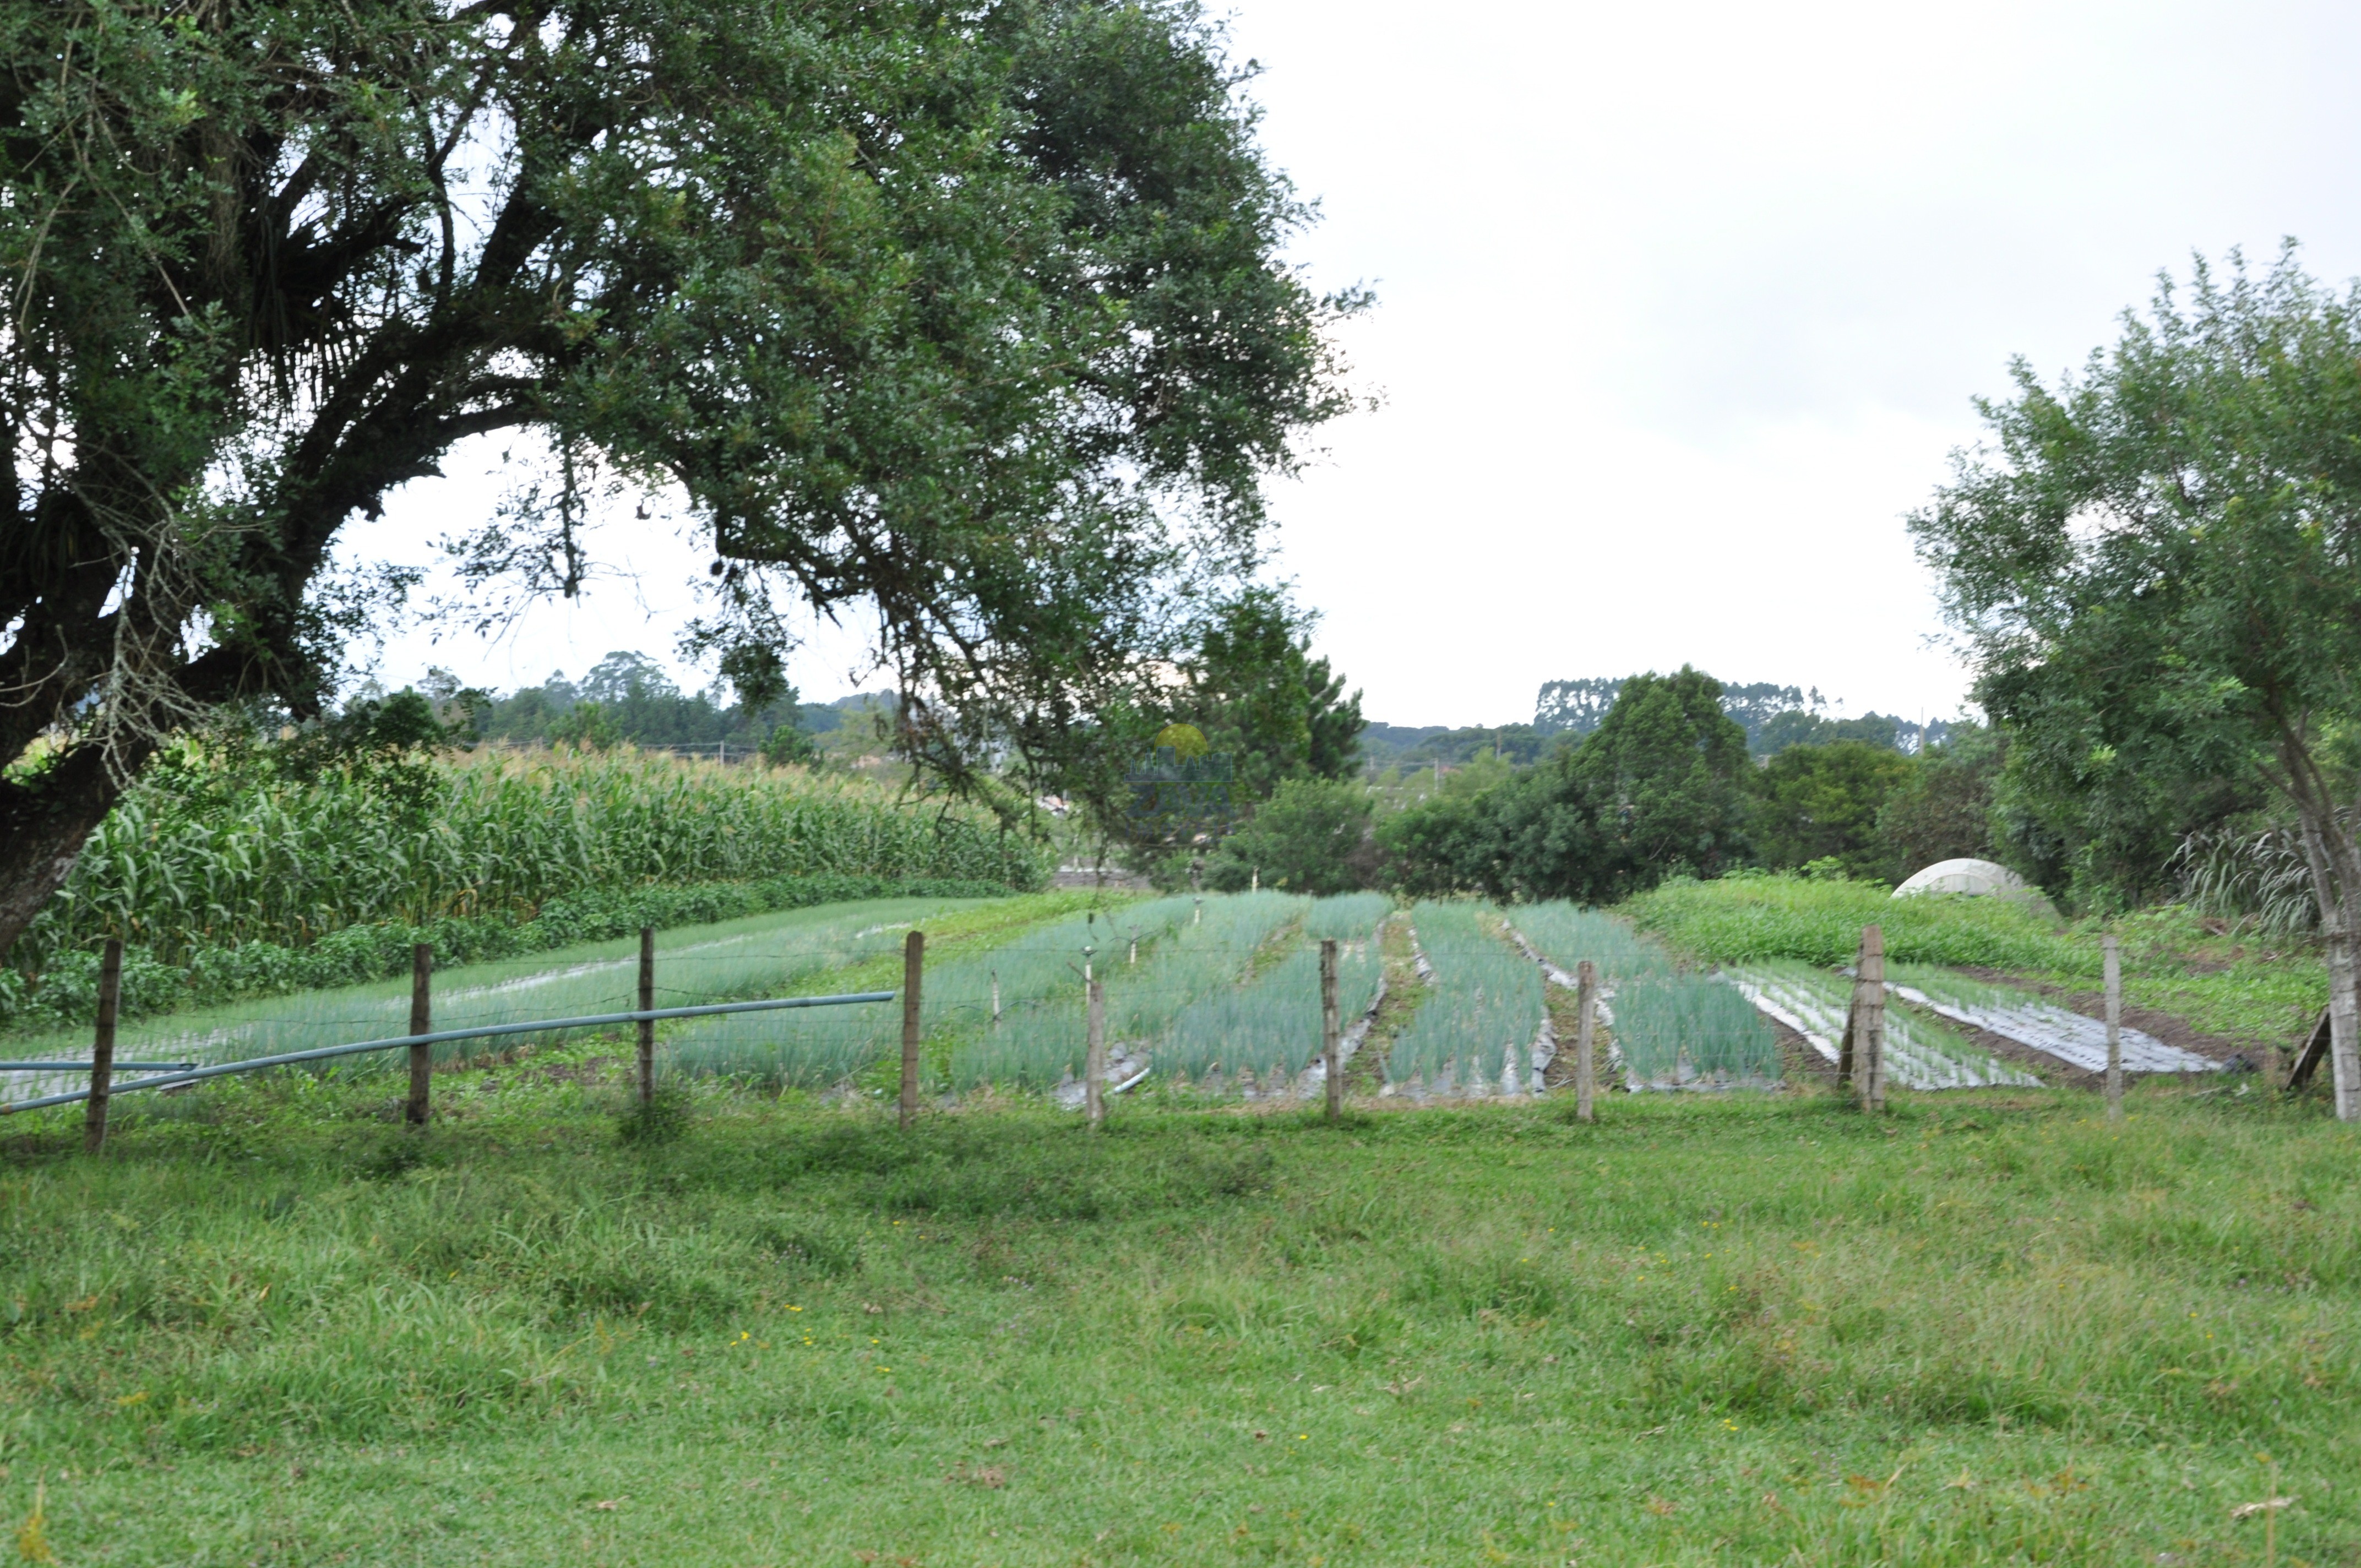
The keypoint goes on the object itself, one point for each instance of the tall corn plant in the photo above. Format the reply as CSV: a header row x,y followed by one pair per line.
x,y
287,862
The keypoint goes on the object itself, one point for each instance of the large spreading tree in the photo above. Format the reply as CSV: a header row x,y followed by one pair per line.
x,y
2157,566
968,320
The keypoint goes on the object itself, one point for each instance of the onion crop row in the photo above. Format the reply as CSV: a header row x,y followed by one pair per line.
x,y
1673,1028
1153,957
1271,1025
1184,959
1485,1010
2030,1020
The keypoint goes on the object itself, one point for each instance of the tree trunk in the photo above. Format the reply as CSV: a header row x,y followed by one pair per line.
x,y
2322,838
42,826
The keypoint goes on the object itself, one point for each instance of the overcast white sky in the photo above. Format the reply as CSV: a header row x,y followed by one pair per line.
x,y
1681,309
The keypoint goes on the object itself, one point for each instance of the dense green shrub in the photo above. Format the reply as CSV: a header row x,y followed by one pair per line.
x,y
1660,788
1821,802
1313,835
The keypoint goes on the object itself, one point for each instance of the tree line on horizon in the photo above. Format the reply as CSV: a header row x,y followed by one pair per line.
x,y
1665,784
1774,718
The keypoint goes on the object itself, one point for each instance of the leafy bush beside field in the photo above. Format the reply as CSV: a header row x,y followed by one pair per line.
x,y
1759,916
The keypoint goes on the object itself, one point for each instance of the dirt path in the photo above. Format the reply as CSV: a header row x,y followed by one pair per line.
x,y
1405,995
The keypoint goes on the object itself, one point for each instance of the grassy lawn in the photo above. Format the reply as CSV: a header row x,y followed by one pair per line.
x,y
269,1327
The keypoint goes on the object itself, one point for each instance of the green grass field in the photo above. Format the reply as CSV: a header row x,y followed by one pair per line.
x,y
269,1327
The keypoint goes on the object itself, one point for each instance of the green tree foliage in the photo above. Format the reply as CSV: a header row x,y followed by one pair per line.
x,y
1573,705
1822,803
1519,745
1943,810
1666,777
1797,728
1661,787
2158,567
1260,698
1450,841
1266,709
975,318
1312,836
627,697
1580,706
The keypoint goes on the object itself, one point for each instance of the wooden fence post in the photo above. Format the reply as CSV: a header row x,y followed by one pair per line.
x,y
421,1021
1865,1032
1844,1041
913,963
1330,1044
1585,1018
102,1046
647,1004
1095,1060
2110,957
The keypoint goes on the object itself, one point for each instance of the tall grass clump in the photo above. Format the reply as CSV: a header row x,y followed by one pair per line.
x,y
1485,1008
1740,918
212,856
2261,879
1271,1025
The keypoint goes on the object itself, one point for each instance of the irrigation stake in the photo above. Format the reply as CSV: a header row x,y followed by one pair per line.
x,y
1585,1015
422,1022
647,1025
1094,1058
913,963
2111,954
1329,1031
102,1046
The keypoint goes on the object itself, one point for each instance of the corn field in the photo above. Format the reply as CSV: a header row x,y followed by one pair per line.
x,y
247,860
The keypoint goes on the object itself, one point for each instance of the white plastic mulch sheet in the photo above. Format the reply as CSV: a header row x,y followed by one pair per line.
x,y
1814,1002
2052,1030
